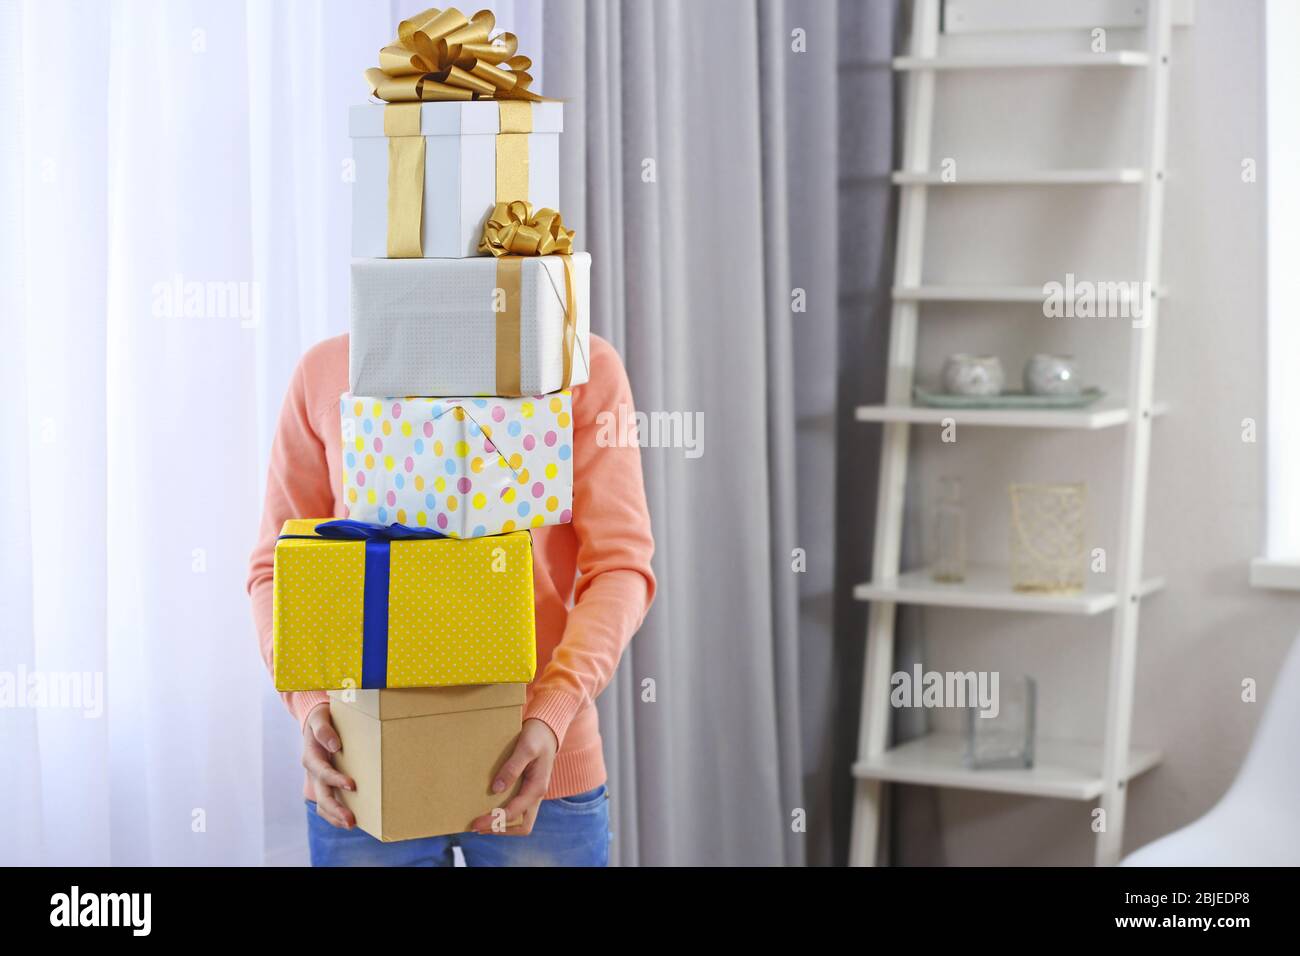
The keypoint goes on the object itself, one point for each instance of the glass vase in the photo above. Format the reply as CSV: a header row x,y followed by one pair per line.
x,y
1004,740
949,533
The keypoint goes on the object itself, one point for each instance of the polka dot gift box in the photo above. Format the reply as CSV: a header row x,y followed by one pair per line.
x,y
467,467
403,613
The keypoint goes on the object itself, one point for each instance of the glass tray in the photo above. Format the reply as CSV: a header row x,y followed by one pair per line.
x,y
1006,400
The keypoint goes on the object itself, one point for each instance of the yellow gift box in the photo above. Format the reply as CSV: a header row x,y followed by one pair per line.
x,y
364,606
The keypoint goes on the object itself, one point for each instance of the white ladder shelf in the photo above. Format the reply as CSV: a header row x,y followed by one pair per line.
x,y
1066,770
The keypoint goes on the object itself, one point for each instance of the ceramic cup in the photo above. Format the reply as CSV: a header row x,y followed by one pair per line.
x,y
973,375
1052,375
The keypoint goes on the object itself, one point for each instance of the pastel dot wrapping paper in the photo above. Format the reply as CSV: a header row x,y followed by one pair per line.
x,y
459,611
467,467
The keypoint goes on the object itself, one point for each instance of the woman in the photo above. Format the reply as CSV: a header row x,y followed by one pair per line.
x,y
600,563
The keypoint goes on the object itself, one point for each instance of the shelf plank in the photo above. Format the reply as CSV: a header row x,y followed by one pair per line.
x,y
1107,413
989,589
1064,769
1279,573
1120,58
988,293
1034,177
982,17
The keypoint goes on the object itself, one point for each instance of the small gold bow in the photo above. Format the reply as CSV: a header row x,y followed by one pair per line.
x,y
441,55
513,229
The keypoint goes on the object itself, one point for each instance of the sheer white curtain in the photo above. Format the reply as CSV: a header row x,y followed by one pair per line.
x,y
1282,71
174,209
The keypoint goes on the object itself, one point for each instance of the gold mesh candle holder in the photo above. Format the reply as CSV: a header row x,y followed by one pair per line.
x,y
1048,552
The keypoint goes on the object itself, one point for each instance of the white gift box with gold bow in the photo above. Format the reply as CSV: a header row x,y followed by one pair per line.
x,y
428,174
432,326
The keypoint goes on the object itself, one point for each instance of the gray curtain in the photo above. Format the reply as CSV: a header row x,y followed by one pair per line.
x,y
870,127
700,157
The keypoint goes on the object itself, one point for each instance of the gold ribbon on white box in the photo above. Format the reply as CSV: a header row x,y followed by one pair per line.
x,y
405,180
406,169
516,123
444,56
514,232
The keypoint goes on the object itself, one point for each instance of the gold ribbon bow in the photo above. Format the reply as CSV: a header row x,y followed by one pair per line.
x,y
512,229
440,55
513,233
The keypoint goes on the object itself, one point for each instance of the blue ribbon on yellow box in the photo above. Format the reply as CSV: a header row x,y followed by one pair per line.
x,y
374,626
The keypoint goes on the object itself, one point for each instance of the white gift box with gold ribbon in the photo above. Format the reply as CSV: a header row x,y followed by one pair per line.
x,y
430,326
428,174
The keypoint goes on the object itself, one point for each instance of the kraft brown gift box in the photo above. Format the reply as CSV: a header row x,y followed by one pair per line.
x,y
424,759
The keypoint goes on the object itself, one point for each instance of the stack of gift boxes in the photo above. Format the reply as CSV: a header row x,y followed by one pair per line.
x,y
469,325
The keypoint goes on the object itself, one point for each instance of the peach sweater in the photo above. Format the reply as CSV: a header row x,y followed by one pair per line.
x,y
582,627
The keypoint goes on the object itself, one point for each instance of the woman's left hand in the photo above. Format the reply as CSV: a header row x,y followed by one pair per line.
x,y
531,761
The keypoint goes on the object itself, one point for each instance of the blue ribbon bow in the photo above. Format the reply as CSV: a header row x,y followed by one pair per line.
x,y
374,622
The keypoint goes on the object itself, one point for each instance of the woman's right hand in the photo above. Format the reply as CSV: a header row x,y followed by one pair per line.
x,y
319,740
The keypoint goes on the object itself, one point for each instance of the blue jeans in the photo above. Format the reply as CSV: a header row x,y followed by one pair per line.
x,y
569,831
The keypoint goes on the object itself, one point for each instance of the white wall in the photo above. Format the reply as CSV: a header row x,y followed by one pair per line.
x,y
1208,630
